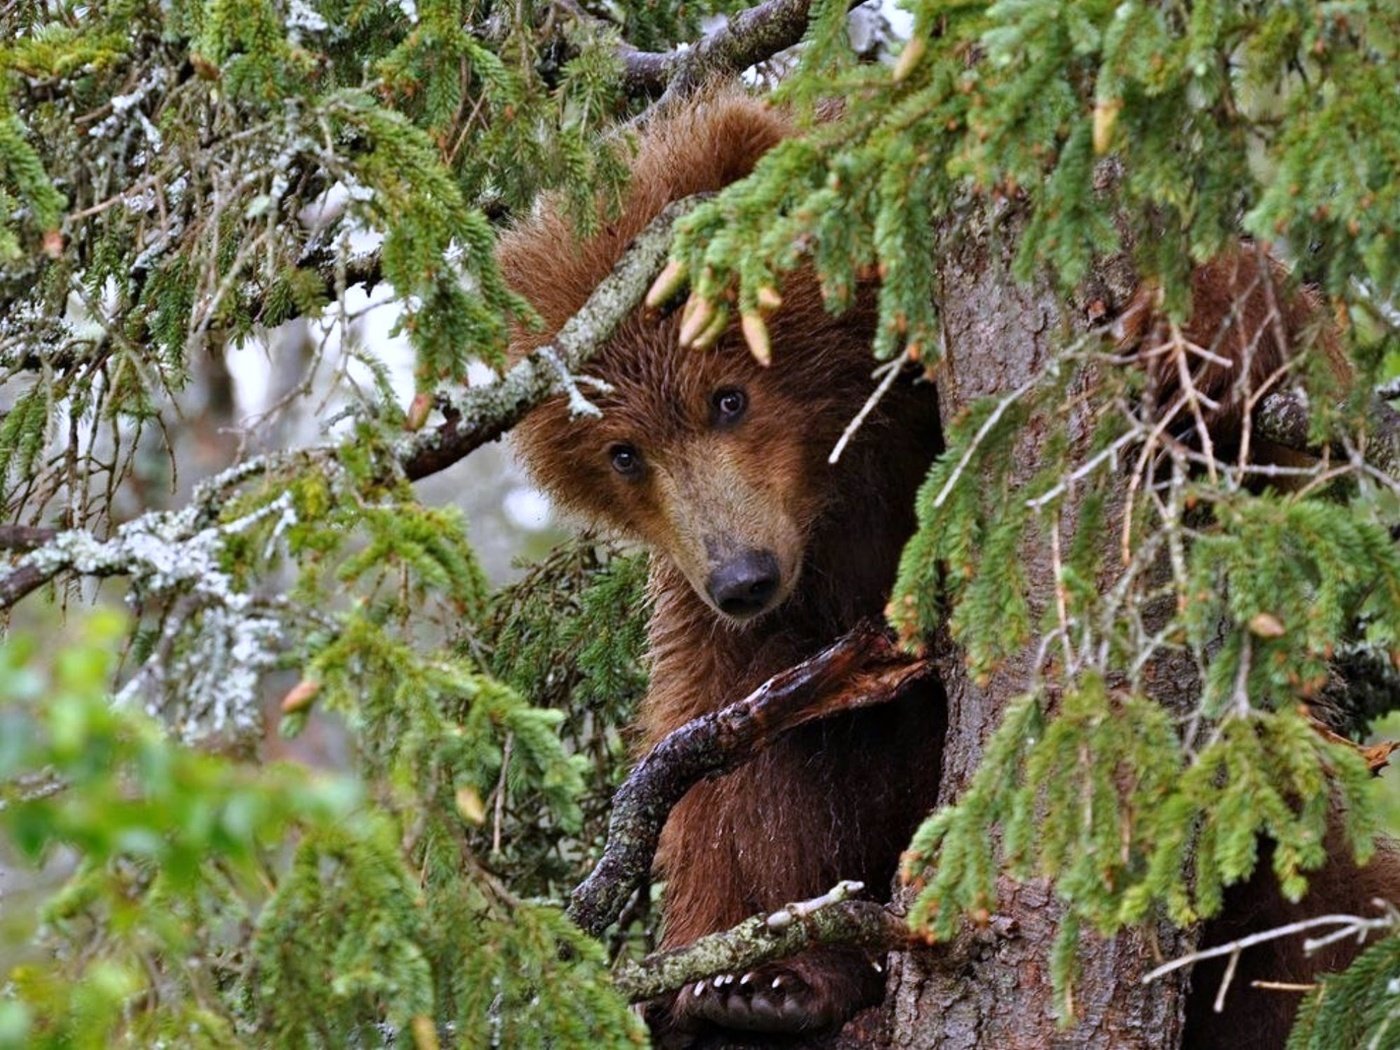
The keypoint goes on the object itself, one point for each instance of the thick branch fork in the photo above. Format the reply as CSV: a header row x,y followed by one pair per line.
x,y
860,670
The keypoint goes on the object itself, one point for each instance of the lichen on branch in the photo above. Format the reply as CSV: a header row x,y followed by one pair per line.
x,y
829,920
485,413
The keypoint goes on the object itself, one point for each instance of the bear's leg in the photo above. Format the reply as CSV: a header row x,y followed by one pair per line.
x,y
787,826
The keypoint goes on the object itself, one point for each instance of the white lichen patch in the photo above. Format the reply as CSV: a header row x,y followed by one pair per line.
x,y
126,108
301,15
202,676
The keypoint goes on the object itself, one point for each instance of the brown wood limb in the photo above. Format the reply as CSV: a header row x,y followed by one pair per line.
x,y
29,577
646,72
753,35
24,537
747,38
861,669
22,582
1376,756
830,920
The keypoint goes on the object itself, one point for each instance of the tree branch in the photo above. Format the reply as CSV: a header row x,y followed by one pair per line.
x,y
24,537
1344,926
747,38
22,582
751,36
156,544
484,413
364,268
27,578
480,416
831,919
862,669
1283,418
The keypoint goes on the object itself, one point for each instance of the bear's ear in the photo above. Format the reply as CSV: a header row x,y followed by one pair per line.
x,y
699,148
710,144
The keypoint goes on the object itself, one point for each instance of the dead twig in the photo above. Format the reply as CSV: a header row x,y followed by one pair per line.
x,y
1345,927
24,537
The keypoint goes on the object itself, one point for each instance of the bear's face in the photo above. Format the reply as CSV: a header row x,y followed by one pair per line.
x,y
708,458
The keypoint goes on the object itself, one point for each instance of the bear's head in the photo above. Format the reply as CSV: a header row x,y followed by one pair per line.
x,y
705,456
710,459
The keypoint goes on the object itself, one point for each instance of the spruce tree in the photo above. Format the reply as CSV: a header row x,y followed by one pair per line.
x,y
1127,623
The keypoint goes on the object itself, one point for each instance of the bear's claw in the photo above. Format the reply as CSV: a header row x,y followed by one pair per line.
x,y
772,999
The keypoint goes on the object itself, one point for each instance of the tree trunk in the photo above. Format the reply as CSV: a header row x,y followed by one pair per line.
x,y
991,987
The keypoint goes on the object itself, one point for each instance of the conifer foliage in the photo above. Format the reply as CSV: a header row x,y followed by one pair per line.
x,y
1081,132
179,178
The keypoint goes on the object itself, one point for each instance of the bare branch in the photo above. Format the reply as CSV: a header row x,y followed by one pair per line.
x,y
891,372
28,578
988,425
176,557
483,414
831,919
22,582
862,669
24,537
749,37
1347,926
169,548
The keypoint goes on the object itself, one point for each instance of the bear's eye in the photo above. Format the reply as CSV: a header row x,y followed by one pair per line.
x,y
626,460
729,405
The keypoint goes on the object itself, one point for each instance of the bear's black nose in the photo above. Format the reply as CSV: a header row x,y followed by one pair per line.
x,y
744,585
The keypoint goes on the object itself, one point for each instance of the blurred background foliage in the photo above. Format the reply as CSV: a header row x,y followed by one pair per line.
x,y
209,902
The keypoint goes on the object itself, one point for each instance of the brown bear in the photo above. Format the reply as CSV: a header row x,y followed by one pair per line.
x,y
763,553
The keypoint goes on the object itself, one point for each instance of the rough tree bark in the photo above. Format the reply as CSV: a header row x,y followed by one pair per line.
x,y
991,987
